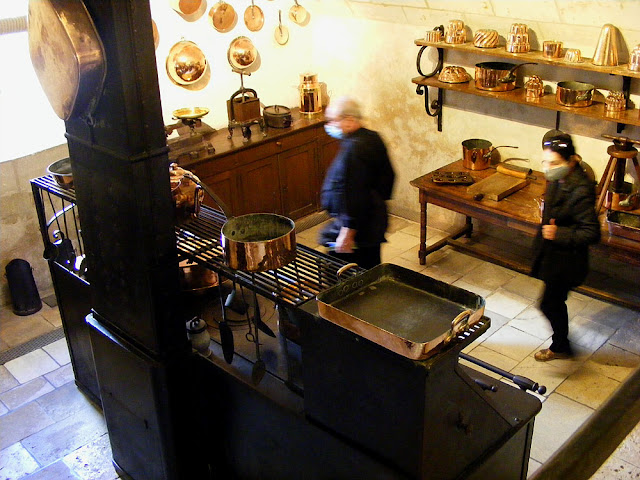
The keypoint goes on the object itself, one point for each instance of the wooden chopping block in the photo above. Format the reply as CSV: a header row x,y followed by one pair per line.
x,y
497,186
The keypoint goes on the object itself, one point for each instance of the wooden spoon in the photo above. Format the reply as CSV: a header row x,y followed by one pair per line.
x,y
253,18
223,17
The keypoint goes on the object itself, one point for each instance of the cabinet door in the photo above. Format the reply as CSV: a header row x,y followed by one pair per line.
x,y
225,186
259,187
298,181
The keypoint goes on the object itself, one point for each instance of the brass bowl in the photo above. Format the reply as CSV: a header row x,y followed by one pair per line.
x,y
186,63
61,171
190,113
242,53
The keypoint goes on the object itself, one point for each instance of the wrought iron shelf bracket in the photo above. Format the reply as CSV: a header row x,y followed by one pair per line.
x,y
433,109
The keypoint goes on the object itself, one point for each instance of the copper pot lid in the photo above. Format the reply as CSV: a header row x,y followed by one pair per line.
x,y
298,14
253,17
223,17
281,33
186,63
277,111
242,53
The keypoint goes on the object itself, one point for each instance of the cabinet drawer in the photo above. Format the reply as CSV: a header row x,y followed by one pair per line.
x,y
215,165
277,145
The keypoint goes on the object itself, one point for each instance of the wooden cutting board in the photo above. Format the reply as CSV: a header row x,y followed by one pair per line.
x,y
497,186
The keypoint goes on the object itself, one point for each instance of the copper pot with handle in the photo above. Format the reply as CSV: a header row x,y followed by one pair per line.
x,y
476,153
497,76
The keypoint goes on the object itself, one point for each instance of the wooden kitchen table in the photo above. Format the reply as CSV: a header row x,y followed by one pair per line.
x,y
519,211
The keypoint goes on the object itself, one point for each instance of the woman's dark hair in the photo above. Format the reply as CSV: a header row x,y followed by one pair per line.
x,y
559,142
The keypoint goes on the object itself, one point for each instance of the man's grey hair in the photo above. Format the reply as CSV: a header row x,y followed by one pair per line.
x,y
345,107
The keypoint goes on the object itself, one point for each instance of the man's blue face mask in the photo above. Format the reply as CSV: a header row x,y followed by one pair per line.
x,y
333,131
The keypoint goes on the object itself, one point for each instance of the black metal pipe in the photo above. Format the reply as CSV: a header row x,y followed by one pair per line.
x,y
523,382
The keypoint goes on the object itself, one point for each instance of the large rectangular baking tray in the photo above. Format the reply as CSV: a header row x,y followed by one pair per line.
x,y
404,311
624,224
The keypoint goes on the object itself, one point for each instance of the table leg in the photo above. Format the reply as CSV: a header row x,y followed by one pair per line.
x,y
422,251
468,227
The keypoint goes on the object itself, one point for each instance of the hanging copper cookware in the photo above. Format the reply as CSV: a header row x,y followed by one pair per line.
x,y
67,55
242,53
223,17
186,63
253,17
281,33
298,14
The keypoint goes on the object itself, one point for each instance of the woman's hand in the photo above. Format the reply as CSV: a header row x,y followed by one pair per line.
x,y
549,231
346,240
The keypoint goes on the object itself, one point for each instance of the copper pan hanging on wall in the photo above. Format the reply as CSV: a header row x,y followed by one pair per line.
x,y
67,55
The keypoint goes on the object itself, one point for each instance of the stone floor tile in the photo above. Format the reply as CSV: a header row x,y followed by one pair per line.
x,y
628,337
549,374
512,343
576,303
3,409
489,276
472,287
67,435
62,375
59,351
441,274
64,402
614,362
16,462
507,303
19,424
588,386
7,381
31,365
457,262
559,418
525,286
616,469
51,315
403,241
56,471
629,449
389,252
403,262
492,358
533,466
16,330
607,314
412,229
93,461
497,322
397,223
532,321
588,334
25,393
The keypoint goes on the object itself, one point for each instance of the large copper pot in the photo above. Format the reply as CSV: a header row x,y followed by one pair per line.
x,y
255,242
497,76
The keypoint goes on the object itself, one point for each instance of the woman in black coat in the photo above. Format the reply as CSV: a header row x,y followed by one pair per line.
x,y
569,225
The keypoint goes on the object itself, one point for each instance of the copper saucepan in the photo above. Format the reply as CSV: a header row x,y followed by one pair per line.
x,y
255,242
574,94
476,153
497,76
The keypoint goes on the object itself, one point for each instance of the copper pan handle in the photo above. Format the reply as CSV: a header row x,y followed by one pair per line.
x,y
458,326
345,268
218,200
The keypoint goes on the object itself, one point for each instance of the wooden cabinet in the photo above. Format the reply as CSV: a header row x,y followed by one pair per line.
x,y
280,173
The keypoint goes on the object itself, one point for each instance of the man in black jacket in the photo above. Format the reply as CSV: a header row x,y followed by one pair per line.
x,y
356,187
569,225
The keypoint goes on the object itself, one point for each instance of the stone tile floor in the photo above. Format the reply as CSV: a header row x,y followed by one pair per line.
x,y
50,430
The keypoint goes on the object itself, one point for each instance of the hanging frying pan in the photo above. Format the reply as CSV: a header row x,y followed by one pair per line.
x,y
186,63
156,35
223,17
281,33
242,53
253,18
67,55
298,14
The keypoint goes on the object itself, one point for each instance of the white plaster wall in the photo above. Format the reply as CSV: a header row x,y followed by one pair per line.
x,y
361,48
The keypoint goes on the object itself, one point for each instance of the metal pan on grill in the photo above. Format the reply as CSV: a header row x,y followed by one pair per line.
x,y
404,311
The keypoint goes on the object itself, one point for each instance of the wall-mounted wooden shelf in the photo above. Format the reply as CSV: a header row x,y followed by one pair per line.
x,y
548,102
533,56
630,116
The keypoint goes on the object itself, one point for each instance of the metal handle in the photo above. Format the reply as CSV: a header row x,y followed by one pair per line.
x,y
491,149
458,326
510,77
221,204
345,268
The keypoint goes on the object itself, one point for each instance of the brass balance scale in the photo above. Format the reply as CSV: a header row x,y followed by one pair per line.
x,y
191,142
243,107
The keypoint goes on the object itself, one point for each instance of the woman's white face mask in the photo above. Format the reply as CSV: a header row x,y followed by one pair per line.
x,y
554,166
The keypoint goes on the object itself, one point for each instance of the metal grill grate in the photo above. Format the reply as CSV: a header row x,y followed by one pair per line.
x,y
301,280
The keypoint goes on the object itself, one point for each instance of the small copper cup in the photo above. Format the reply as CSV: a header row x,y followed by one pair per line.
x,y
551,49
